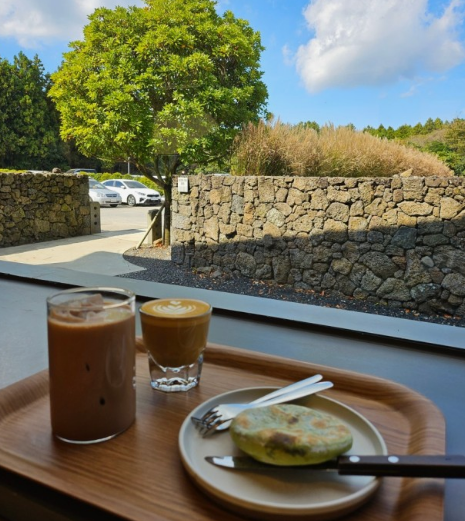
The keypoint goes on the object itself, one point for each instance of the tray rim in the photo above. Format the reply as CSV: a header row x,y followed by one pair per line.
x,y
18,394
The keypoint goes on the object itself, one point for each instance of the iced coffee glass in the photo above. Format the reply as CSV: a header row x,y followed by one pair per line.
x,y
91,346
175,335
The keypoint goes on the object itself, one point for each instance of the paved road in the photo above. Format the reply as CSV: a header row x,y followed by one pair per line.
x,y
124,217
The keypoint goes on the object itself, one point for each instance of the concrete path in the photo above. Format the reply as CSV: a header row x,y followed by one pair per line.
x,y
100,253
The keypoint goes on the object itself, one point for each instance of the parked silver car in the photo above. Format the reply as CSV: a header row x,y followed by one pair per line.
x,y
134,192
81,171
103,195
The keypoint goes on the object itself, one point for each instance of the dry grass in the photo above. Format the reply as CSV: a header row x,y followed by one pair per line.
x,y
278,149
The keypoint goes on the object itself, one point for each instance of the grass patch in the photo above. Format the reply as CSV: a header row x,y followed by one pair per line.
x,y
277,149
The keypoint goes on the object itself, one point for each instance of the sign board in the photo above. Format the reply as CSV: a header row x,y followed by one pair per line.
x,y
183,184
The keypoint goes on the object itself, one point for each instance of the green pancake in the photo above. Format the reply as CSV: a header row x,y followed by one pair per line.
x,y
290,435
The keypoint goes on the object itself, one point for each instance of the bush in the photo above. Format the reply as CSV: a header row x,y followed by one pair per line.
x,y
280,149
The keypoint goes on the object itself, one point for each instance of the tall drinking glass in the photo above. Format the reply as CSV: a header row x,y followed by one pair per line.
x,y
91,347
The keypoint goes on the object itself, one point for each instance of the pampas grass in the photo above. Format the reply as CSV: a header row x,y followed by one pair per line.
x,y
274,148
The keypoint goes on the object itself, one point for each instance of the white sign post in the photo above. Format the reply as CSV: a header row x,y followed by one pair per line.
x,y
183,184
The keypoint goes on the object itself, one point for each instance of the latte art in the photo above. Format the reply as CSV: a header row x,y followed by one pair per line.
x,y
172,308
175,307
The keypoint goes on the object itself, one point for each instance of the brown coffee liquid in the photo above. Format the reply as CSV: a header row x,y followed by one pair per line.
x,y
92,372
175,331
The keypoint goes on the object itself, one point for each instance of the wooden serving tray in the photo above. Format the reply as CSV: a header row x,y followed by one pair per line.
x,y
139,475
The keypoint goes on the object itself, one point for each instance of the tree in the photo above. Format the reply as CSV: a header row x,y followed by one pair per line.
x,y
455,136
29,122
168,85
309,124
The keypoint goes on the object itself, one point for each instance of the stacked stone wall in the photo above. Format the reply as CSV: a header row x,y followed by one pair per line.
x,y
395,241
43,207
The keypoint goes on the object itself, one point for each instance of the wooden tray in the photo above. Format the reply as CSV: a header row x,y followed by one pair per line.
x,y
139,475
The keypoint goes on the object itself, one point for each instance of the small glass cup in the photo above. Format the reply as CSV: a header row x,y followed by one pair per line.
x,y
91,347
175,335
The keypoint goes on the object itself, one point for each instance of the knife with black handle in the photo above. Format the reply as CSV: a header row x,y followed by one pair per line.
x,y
393,466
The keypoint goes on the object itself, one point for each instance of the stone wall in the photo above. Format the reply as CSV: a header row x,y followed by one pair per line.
x,y
42,207
397,241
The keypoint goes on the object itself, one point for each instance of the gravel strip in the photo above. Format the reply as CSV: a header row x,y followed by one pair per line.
x,y
158,267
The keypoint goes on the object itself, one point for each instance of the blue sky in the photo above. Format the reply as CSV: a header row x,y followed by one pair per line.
x,y
366,62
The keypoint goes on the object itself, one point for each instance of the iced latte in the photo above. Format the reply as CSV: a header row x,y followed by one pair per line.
x,y
91,339
175,334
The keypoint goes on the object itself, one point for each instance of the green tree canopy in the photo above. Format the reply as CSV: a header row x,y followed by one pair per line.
x,y
455,136
29,123
168,84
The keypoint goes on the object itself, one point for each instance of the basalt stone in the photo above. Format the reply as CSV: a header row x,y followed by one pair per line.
x,y
450,258
237,205
394,289
357,273
211,229
435,240
370,282
342,266
264,272
405,238
181,222
415,271
246,264
379,263
275,217
296,197
449,208
413,209
458,242
319,200
284,208
270,229
338,212
358,229
455,283
335,231
281,269
266,189
296,257
344,285
429,225
321,254
424,292
375,237
351,251
312,278
328,281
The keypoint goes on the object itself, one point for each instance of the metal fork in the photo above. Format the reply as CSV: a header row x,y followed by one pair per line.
x,y
211,414
219,417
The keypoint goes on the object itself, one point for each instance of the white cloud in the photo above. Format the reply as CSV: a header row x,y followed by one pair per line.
x,y
34,23
377,42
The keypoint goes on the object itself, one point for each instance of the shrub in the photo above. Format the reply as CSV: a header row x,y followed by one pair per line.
x,y
279,149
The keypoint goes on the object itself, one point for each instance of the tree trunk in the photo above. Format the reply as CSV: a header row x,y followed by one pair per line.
x,y
164,168
167,220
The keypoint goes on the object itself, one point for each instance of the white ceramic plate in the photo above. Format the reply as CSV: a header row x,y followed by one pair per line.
x,y
287,492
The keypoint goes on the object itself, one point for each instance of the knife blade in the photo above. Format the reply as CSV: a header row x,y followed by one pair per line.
x,y
446,466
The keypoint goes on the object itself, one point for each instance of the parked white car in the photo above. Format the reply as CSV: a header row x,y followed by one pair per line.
x,y
103,195
134,192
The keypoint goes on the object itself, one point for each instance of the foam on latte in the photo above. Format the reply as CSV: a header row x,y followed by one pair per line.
x,y
176,308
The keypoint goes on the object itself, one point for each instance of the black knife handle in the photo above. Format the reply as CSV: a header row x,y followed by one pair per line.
x,y
403,466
